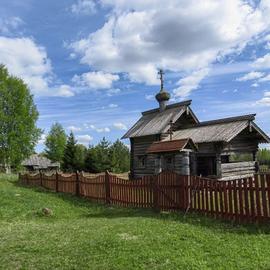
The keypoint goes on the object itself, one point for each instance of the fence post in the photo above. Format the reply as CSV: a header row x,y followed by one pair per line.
x,y
77,184
40,176
107,188
154,183
56,181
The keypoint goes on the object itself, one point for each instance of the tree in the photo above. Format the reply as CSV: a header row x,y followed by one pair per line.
x,y
80,156
18,116
98,157
90,160
69,154
263,156
119,156
55,143
105,156
102,158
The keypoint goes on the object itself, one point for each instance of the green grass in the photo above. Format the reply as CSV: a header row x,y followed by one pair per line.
x,y
84,235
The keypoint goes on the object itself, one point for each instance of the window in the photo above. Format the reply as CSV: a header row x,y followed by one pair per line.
x,y
169,162
142,161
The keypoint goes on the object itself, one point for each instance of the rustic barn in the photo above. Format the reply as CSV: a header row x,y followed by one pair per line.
x,y
39,163
172,138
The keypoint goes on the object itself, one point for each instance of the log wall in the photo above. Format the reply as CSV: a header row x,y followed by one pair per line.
x,y
237,170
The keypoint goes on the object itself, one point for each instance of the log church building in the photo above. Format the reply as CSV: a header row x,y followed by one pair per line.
x,y
171,138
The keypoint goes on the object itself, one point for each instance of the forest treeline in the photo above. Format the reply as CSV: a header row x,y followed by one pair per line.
x,y
73,156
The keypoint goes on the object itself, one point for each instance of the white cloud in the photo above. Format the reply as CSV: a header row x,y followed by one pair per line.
x,y
100,130
262,62
113,105
250,76
84,139
120,126
63,90
7,25
149,97
95,80
265,101
265,79
42,139
29,61
255,85
189,83
113,91
74,129
85,7
178,35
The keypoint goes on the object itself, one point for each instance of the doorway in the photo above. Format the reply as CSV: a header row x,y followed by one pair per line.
x,y
206,165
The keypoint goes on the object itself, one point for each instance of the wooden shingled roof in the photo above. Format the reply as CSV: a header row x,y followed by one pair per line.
x,y
156,122
171,146
220,130
40,162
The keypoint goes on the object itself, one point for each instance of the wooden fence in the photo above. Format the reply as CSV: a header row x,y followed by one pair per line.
x,y
242,200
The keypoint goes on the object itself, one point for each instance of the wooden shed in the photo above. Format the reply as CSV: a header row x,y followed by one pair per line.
x,y
172,138
40,163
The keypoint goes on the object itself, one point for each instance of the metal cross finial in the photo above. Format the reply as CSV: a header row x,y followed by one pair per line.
x,y
161,73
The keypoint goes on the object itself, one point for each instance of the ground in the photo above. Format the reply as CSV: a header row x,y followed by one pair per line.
x,y
84,235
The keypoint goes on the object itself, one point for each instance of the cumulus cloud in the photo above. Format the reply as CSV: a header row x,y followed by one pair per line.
x,y
74,129
112,92
95,80
265,101
120,126
250,76
42,139
100,130
84,139
262,62
178,35
84,7
29,61
64,90
265,78
189,83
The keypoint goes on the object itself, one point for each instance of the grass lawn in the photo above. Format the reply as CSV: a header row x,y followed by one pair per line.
x,y
84,235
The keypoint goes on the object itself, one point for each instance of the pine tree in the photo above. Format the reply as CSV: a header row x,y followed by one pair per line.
x,y
80,156
90,165
102,158
69,163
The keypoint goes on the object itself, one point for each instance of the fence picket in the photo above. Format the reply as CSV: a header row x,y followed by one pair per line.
x,y
263,193
258,201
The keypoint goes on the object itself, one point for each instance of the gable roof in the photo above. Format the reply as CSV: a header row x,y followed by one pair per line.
x,y
220,130
171,146
155,122
39,162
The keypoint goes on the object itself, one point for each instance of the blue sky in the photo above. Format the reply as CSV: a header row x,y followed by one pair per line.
x,y
92,65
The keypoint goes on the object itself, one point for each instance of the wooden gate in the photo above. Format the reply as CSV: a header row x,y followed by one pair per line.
x,y
169,191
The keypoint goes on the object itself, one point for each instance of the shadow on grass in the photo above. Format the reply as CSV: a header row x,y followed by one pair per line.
x,y
103,211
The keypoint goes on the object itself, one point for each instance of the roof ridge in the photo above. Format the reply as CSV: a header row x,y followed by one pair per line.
x,y
227,120
170,106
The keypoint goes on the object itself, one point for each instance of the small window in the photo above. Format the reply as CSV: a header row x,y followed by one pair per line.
x,y
169,162
142,161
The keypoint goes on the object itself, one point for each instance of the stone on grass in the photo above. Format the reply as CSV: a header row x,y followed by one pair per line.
x,y
46,211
